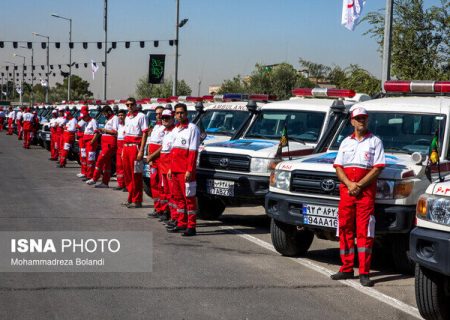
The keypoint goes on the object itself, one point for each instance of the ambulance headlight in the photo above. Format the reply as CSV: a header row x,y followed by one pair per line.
x,y
434,209
262,165
390,189
280,179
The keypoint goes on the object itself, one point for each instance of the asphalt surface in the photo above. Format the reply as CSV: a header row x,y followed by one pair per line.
x,y
228,271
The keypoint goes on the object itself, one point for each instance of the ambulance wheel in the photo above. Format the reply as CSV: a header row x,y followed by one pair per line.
x,y
432,294
47,145
400,254
289,241
210,209
147,189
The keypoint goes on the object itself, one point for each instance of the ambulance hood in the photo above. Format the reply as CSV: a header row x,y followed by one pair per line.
x,y
397,165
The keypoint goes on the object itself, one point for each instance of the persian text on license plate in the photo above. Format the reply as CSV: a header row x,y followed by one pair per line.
x,y
220,187
320,215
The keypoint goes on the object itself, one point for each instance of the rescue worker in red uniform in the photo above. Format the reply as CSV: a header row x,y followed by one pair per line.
x,y
60,124
136,131
11,119
27,126
186,140
119,164
91,142
70,130
109,145
166,200
19,123
2,118
153,151
53,136
81,126
359,161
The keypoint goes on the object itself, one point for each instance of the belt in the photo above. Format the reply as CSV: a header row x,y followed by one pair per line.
x,y
131,144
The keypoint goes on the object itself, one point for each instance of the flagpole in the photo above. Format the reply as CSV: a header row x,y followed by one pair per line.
x,y
386,68
105,27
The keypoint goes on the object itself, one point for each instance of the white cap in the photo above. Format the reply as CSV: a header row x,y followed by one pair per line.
x,y
167,113
55,111
359,111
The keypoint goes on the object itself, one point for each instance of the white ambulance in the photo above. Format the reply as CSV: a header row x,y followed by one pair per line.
x,y
304,193
430,249
237,171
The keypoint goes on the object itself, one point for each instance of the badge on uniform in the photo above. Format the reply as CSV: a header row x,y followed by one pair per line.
x,y
183,141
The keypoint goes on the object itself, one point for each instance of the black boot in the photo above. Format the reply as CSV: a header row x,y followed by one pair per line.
x,y
342,275
365,280
190,232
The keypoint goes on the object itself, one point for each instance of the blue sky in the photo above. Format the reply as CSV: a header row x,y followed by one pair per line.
x,y
220,40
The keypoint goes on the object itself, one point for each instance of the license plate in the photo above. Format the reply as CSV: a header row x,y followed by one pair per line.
x,y
47,136
220,187
146,170
320,215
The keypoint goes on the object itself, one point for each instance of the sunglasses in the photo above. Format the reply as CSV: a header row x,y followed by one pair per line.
x,y
166,118
180,112
129,104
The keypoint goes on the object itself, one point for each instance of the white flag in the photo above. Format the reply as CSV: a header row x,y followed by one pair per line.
x,y
351,12
19,89
44,83
94,68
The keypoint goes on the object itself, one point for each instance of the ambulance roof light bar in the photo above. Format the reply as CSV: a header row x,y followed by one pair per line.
x,y
262,97
417,86
323,93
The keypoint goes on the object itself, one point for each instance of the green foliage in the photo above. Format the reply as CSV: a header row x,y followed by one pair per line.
x,y
420,39
79,90
164,90
316,71
360,80
277,80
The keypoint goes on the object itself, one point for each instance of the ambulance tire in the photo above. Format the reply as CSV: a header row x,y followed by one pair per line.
x,y
209,209
400,254
47,145
289,241
432,293
147,189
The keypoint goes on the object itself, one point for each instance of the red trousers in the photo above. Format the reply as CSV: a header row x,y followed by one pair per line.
x,y
10,126
60,143
54,139
19,130
119,164
165,197
155,186
26,139
69,139
104,161
83,157
186,207
2,123
356,213
91,152
133,180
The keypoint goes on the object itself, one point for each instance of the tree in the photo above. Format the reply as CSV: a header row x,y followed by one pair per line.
x,y
420,39
316,71
79,90
235,85
276,80
360,80
164,90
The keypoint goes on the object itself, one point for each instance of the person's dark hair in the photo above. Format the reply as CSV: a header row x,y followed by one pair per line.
x,y
181,105
107,109
159,107
131,99
122,111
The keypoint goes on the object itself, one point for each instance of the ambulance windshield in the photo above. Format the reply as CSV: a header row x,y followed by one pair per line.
x,y
223,122
400,132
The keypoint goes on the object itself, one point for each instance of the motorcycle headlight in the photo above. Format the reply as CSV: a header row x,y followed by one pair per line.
x,y
390,189
280,179
434,209
262,165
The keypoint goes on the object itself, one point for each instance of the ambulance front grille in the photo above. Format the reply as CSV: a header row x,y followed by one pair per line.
x,y
230,162
314,182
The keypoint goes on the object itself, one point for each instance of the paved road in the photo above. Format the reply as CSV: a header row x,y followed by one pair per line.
x,y
229,271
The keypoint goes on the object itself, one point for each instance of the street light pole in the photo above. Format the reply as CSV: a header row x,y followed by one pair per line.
x,y
386,69
14,79
48,63
23,77
70,53
32,73
174,88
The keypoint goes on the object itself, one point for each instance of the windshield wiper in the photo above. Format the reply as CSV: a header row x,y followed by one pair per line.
x,y
396,149
297,140
257,135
